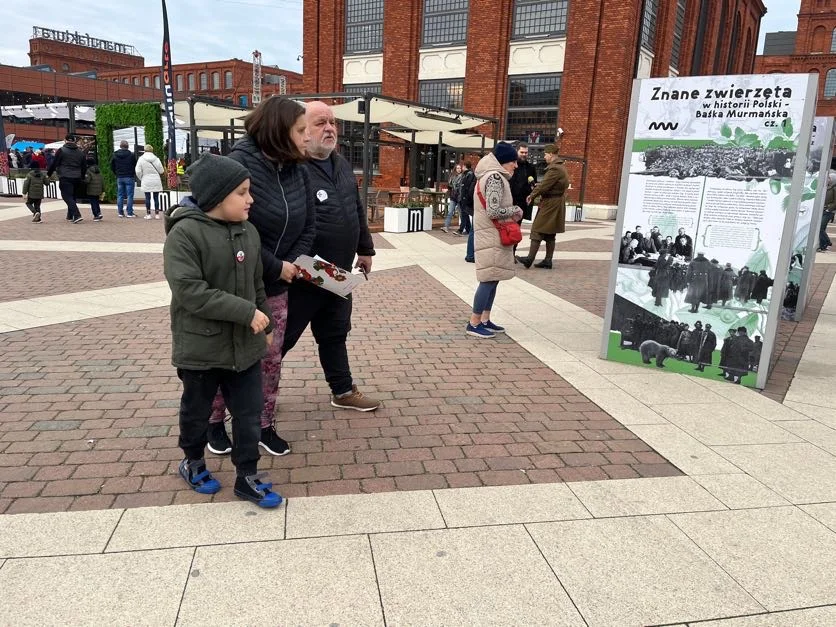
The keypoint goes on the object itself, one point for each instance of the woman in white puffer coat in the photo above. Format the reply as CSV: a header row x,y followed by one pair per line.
x,y
149,168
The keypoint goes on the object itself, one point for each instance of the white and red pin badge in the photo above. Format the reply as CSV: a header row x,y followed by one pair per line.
x,y
240,256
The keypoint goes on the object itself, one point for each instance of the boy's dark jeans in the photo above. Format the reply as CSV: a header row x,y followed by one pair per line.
x,y
34,205
95,206
243,397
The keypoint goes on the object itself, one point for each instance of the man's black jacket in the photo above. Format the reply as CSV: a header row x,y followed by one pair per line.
x,y
342,228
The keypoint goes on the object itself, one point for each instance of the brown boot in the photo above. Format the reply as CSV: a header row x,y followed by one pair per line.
x,y
547,262
355,400
532,254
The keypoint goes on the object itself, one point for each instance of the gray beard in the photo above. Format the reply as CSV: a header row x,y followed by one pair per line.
x,y
320,153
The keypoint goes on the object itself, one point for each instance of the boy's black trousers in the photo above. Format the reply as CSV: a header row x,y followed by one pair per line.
x,y
243,397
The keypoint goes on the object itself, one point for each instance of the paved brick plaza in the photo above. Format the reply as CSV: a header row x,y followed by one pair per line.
x,y
89,407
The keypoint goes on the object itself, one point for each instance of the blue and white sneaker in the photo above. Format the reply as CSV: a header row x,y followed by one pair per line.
x,y
250,488
480,331
199,479
490,326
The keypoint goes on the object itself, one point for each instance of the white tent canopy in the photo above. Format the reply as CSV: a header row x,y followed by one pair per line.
x,y
54,111
412,116
206,114
452,140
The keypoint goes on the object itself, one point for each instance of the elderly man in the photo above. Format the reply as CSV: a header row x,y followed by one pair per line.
x,y
342,231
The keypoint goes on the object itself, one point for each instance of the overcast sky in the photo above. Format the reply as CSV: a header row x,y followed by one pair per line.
x,y
201,30
209,30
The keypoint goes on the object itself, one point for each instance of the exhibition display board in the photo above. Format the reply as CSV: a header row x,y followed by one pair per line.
x,y
806,230
714,171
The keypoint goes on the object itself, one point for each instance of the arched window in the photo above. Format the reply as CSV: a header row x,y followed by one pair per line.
x,y
819,42
157,82
179,82
833,41
735,42
216,80
748,59
191,82
146,81
830,84
721,38
227,80
204,81
136,81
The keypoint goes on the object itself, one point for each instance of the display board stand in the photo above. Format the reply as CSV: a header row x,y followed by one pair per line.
x,y
713,175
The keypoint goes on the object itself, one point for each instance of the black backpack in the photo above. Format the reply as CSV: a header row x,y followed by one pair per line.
x,y
468,189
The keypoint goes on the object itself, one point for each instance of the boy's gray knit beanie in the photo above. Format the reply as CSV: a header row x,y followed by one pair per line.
x,y
213,177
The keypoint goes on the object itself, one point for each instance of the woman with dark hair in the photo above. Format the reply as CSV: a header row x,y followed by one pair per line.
x,y
283,214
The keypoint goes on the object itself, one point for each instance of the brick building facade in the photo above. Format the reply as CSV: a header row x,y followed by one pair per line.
x,y
535,65
814,51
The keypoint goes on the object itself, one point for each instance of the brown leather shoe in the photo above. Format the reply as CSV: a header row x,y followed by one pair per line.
x,y
356,401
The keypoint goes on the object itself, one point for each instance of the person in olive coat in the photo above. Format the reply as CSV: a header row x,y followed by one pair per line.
x,y
551,213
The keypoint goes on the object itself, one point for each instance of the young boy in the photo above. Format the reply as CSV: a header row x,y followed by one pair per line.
x,y
219,318
34,190
95,187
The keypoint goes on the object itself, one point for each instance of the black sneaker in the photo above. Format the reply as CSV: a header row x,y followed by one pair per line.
x,y
36,217
272,443
219,442
77,220
252,489
97,218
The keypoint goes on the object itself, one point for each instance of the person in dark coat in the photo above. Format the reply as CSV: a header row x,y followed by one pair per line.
x,y
551,212
94,185
123,164
745,284
699,271
283,214
708,342
761,288
695,342
724,352
727,281
71,165
342,233
755,358
523,181
658,241
468,189
34,190
739,356
714,283
683,249
660,278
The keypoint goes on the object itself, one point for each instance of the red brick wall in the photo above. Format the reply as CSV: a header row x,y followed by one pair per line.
x,y
78,58
53,87
597,78
488,34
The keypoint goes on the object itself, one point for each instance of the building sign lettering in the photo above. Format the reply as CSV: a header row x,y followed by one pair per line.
x,y
82,39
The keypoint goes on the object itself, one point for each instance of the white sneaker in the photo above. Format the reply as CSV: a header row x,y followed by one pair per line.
x,y
148,216
156,216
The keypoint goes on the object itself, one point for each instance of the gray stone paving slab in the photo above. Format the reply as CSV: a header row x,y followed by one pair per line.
x,y
61,533
316,581
633,497
782,556
195,525
685,452
825,513
740,491
469,507
475,576
724,424
362,513
801,473
813,617
142,588
638,571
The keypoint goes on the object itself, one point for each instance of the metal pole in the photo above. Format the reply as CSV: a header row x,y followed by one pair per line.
x,y
438,163
136,139
192,130
413,162
367,112
70,118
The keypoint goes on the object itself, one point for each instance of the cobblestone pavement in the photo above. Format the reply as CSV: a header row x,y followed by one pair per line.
x,y
89,407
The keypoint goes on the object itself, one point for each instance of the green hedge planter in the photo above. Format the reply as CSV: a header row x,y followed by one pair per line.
x,y
122,115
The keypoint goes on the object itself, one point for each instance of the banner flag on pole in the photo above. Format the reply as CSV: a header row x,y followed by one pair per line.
x,y
4,157
168,103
